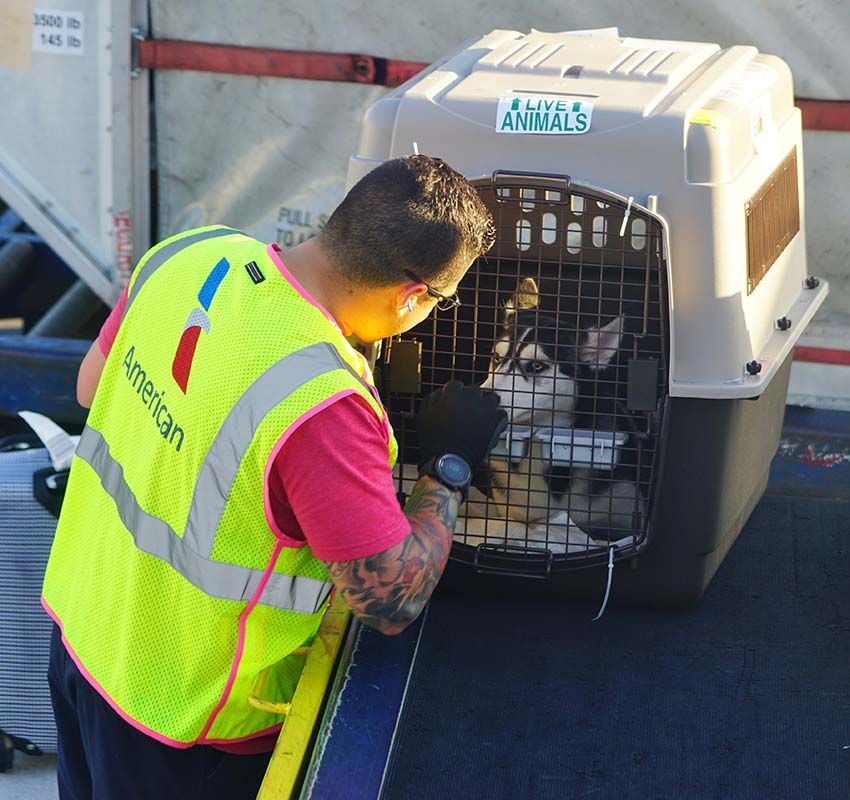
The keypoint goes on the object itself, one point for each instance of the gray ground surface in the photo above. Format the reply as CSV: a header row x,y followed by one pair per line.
x,y
31,779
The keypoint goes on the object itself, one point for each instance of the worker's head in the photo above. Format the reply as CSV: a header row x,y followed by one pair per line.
x,y
405,233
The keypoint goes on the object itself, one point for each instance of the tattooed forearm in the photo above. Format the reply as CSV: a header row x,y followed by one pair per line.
x,y
388,591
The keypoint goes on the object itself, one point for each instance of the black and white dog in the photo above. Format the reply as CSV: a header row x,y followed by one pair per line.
x,y
539,369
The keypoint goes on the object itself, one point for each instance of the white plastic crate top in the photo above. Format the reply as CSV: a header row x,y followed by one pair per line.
x,y
689,130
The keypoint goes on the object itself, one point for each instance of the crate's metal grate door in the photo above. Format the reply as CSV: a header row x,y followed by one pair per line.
x,y
566,318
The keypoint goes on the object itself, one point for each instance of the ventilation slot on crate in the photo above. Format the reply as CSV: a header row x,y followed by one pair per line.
x,y
773,220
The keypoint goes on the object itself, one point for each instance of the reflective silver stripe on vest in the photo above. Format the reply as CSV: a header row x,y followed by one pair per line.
x,y
225,455
164,253
217,579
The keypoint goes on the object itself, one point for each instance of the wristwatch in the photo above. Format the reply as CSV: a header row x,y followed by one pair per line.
x,y
451,470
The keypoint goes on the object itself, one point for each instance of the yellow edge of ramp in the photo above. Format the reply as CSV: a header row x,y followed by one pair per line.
x,y
290,751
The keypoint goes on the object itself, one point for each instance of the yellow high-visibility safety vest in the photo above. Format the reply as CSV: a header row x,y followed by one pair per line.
x,y
168,577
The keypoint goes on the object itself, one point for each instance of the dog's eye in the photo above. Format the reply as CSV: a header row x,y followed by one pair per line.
x,y
536,367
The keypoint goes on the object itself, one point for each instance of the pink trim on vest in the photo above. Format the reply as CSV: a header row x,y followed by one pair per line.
x,y
240,644
103,693
289,541
273,249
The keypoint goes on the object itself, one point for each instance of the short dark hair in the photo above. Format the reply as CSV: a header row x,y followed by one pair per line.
x,y
413,213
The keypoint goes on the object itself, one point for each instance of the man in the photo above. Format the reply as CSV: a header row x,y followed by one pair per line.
x,y
235,466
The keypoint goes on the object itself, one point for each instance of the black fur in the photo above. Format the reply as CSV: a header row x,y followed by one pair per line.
x,y
557,341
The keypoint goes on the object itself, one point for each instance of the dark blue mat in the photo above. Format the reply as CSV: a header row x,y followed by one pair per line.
x,y
747,697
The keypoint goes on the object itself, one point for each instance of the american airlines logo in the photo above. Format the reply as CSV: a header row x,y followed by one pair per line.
x,y
197,322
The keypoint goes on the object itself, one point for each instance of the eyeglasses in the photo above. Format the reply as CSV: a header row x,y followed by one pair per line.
x,y
444,303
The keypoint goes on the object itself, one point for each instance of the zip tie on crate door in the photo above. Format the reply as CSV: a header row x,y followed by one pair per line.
x,y
415,149
608,587
626,217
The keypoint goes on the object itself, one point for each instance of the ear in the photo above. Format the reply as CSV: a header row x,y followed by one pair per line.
x,y
408,291
527,296
600,345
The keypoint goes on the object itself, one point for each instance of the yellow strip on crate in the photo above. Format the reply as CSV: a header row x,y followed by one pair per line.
x,y
290,751
707,116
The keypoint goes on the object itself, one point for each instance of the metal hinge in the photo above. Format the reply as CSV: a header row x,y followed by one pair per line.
x,y
137,36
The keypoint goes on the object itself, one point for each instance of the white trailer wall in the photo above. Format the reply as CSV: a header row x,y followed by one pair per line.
x,y
73,136
270,155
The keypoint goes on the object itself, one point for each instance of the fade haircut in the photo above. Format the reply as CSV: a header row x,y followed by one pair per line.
x,y
413,213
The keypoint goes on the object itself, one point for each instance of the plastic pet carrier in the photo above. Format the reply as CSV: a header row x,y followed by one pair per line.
x,y
637,313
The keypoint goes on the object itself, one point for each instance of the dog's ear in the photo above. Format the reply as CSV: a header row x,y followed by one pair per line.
x,y
599,345
527,296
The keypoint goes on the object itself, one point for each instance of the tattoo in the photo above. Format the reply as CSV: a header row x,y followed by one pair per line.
x,y
388,591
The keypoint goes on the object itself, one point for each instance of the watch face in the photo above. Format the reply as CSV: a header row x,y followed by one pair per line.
x,y
454,470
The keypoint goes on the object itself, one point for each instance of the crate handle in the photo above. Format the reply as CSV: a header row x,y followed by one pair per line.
x,y
503,179
489,559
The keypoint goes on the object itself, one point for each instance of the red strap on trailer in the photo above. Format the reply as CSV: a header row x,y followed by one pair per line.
x,y
822,355
818,115
266,62
825,115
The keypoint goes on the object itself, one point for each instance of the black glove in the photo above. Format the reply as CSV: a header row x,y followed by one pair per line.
x,y
459,419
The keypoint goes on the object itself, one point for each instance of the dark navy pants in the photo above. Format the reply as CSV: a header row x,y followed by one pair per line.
x,y
102,757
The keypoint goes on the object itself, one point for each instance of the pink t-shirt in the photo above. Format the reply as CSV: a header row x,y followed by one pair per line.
x,y
329,484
